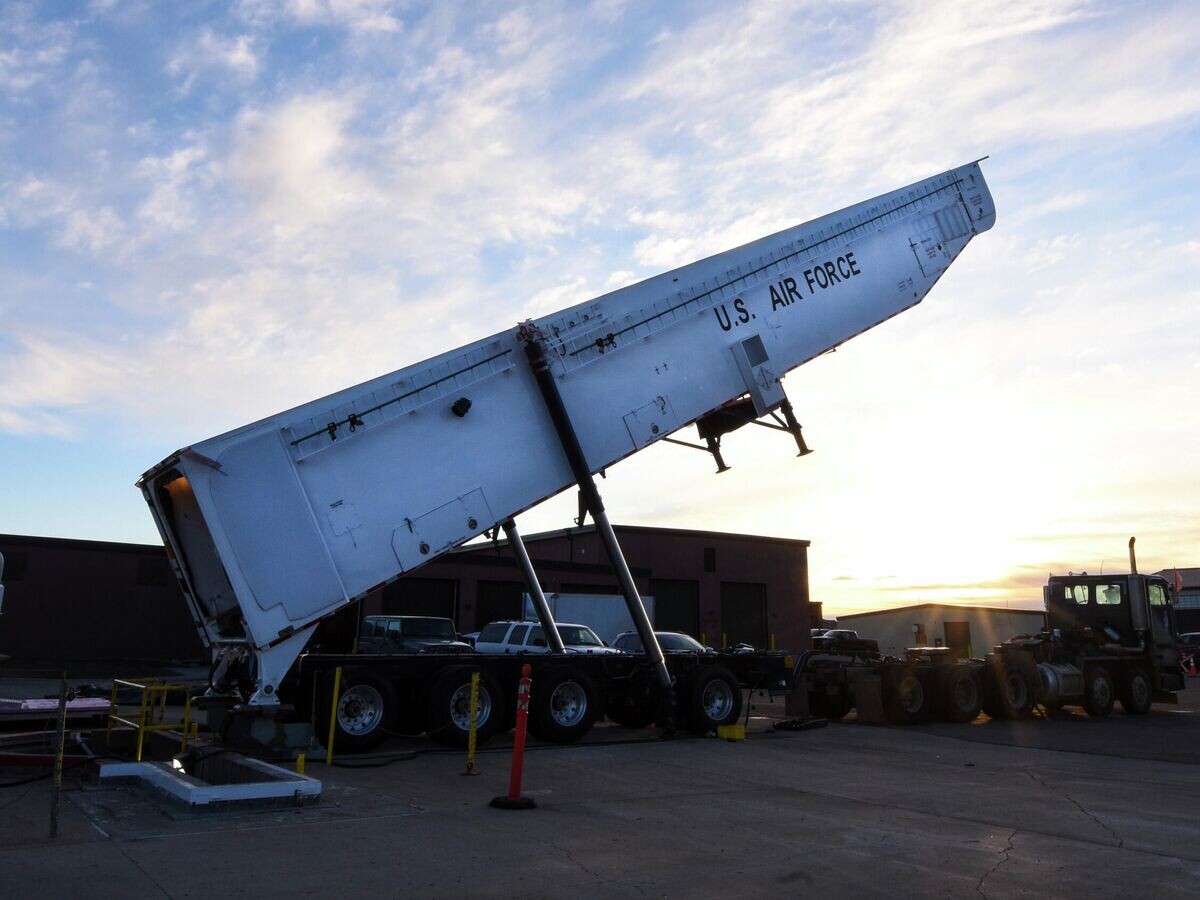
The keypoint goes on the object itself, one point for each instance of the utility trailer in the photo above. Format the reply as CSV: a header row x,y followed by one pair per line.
x,y
1107,638
276,526
429,694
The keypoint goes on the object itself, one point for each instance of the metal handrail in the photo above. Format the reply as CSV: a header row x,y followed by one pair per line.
x,y
154,693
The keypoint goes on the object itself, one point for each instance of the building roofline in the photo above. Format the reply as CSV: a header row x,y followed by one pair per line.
x,y
31,540
895,609
658,529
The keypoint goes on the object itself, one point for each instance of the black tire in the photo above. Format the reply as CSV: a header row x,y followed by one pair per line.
x,y
905,696
630,710
961,694
366,708
1098,692
712,698
825,705
1136,693
562,705
449,707
1016,691
990,694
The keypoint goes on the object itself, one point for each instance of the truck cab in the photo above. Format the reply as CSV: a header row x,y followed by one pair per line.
x,y
1118,615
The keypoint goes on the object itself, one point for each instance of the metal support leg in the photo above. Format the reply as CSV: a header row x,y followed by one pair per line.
x,y
793,427
533,587
591,497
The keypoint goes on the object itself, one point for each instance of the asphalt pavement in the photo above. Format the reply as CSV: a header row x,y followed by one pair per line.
x,y
1068,808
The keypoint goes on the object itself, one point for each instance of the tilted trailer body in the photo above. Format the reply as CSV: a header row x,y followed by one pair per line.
x,y
275,526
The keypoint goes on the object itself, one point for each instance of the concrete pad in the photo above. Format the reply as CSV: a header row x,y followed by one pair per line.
x,y
846,810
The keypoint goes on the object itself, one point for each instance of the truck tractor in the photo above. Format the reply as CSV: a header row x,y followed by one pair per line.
x,y
1107,638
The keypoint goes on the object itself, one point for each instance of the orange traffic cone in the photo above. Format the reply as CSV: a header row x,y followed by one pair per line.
x,y
1192,669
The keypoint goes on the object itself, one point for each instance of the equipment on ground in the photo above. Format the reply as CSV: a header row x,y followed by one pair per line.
x,y
1107,638
275,526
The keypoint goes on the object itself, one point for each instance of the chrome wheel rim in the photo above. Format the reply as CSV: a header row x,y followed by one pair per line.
x,y
1101,692
460,707
717,699
360,709
568,704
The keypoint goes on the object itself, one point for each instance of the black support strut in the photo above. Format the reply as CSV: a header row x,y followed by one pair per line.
x,y
591,499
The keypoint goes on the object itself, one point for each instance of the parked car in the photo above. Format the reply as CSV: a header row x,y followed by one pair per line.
x,y
409,634
528,637
833,636
670,641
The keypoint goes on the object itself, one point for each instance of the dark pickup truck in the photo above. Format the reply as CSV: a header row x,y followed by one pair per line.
x,y
409,634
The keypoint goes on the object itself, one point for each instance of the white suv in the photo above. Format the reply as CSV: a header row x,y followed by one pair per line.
x,y
528,637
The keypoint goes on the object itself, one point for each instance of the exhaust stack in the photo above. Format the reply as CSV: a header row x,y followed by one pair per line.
x,y
1132,558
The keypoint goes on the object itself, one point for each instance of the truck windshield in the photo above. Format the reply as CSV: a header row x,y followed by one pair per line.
x,y
579,636
429,628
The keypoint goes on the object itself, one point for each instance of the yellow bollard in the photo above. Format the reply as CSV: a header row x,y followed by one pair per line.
x,y
703,639
337,687
473,724
724,639
300,764
772,642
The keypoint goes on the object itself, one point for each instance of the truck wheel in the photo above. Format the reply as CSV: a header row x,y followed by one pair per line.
x,y
449,719
833,707
1097,692
628,711
905,699
365,709
961,700
1136,694
990,693
1015,692
713,698
562,705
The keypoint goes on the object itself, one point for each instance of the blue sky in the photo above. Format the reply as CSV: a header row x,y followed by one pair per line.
x,y
212,211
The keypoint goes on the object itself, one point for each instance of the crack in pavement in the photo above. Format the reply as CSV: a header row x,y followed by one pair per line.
x,y
1116,837
1005,851
571,856
137,865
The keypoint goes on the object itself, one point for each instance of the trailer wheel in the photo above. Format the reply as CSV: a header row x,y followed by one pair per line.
x,y
1136,694
905,699
1016,690
961,700
990,693
833,707
365,709
449,718
1098,692
713,698
562,705
630,711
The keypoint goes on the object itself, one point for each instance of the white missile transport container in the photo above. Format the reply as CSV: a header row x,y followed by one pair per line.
x,y
275,526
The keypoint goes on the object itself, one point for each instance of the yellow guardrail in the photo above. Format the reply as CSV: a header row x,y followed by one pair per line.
x,y
154,701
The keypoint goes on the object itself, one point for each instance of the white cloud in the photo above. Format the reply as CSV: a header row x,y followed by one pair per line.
x,y
170,204
31,52
292,161
362,16
42,384
210,53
